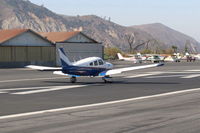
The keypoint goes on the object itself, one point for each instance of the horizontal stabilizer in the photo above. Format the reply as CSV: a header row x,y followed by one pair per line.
x,y
44,68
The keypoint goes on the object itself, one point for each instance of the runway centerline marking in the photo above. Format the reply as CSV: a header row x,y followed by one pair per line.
x,y
52,88
18,80
97,104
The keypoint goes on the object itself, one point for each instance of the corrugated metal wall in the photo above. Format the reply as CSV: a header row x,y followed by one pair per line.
x,y
22,55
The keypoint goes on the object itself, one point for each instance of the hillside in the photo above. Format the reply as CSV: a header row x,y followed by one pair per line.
x,y
24,14
169,36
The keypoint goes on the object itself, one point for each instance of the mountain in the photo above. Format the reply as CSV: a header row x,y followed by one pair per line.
x,y
169,36
24,14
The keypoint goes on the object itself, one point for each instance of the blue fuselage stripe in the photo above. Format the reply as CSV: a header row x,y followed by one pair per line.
x,y
83,71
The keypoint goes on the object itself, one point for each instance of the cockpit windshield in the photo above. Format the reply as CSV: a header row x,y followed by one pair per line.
x,y
100,62
97,63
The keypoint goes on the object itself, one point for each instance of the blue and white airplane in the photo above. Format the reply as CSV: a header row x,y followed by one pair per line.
x,y
92,67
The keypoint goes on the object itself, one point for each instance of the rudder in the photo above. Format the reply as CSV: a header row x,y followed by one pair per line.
x,y
63,58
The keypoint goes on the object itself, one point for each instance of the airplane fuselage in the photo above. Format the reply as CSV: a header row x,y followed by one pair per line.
x,y
83,71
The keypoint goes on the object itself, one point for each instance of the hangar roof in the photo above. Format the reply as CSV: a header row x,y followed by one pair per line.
x,y
8,34
63,36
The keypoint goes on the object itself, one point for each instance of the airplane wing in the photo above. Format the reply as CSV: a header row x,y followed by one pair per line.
x,y
60,73
121,70
44,68
63,74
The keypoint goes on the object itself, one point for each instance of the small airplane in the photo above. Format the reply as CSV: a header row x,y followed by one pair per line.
x,y
197,56
171,59
91,67
133,58
155,59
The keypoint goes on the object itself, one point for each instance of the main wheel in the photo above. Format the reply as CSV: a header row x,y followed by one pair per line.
x,y
105,80
73,79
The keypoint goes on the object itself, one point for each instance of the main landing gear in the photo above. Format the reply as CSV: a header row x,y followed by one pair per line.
x,y
73,79
106,79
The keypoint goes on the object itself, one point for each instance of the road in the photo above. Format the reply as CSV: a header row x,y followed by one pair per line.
x,y
23,91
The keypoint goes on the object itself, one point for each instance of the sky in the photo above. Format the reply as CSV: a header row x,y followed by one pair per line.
x,y
181,15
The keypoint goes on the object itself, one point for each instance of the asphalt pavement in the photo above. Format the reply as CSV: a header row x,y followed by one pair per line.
x,y
23,91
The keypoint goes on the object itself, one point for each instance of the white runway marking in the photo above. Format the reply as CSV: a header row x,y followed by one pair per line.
x,y
179,72
151,75
193,70
143,75
33,90
165,76
97,104
18,89
191,76
18,80
139,75
52,88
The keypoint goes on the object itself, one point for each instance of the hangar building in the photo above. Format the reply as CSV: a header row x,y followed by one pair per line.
x,y
76,44
20,47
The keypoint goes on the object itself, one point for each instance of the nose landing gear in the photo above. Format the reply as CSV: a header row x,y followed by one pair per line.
x,y
73,79
107,79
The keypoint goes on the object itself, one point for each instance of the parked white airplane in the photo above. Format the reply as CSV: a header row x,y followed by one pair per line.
x,y
197,56
132,59
171,59
92,67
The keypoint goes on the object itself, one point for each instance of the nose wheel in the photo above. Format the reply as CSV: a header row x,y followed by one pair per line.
x,y
73,79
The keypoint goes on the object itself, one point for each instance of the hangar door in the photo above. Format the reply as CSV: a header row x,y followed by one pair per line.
x,y
19,56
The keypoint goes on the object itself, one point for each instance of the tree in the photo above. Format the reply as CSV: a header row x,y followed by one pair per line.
x,y
146,51
110,53
168,51
131,41
174,48
141,43
187,44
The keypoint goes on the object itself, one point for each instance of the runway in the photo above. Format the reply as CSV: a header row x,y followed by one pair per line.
x,y
24,91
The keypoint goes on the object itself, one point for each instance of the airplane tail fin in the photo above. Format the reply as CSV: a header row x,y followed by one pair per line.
x,y
120,56
63,58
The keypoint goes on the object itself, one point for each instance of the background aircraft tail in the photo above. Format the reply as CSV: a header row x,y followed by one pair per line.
x,y
120,56
63,58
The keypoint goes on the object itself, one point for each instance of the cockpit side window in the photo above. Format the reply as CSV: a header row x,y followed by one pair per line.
x,y
96,63
91,64
100,62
